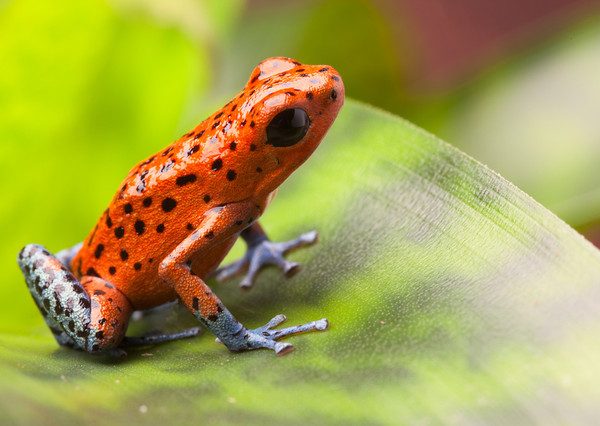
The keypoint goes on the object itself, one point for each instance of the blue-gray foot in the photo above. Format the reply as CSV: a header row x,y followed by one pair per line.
x,y
267,336
262,252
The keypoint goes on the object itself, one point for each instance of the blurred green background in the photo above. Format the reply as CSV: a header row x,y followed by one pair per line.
x,y
514,84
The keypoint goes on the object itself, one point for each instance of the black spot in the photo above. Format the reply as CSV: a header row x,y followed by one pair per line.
x,y
167,166
99,334
209,235
99,250
189,227
215,124
323,69
206,198
333,95
95,348
233,107
128,208
290,93
218,115
232,146
167,151
252,147
137,266
335,78
71,325
139,226
37,285
238,222
243,123
142,185
193,150
184,180
217,164
151,260
147,202
199,135
124,255
259,170
108,221
92,272
309,96
84,303
119,232
231,174
98,292
112,270
168,204
47,304
212,317
101,321
195,303
77,288
252,124
160,228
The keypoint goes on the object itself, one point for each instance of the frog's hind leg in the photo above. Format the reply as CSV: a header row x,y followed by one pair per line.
x,y
152,339
90,315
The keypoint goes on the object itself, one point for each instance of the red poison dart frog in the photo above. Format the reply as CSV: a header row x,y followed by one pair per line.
x,y
178,213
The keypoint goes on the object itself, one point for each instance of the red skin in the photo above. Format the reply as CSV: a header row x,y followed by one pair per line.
x,y
231,165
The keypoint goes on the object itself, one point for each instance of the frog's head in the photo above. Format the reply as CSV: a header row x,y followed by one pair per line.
x,y
287,110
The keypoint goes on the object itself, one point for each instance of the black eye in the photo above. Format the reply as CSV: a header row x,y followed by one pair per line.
x,y
288,127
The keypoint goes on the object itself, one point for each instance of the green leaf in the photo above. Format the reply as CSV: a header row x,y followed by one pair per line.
x,y
452,297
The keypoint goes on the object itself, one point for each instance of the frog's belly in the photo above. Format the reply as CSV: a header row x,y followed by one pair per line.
x,y
148,290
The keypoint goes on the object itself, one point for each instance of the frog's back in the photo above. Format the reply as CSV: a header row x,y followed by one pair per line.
x,y
160,202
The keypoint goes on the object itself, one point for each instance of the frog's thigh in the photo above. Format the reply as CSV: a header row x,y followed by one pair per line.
x,y
90,315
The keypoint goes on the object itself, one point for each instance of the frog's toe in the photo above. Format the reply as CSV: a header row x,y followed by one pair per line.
x,y
306,239
268,335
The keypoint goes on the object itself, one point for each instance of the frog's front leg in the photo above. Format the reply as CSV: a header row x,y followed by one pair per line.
x,y
217,226
262,252
90,315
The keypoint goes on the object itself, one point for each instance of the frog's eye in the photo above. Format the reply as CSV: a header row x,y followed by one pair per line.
x,y
288,127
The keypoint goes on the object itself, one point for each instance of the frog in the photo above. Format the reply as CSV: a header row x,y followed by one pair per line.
x,y
178,213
